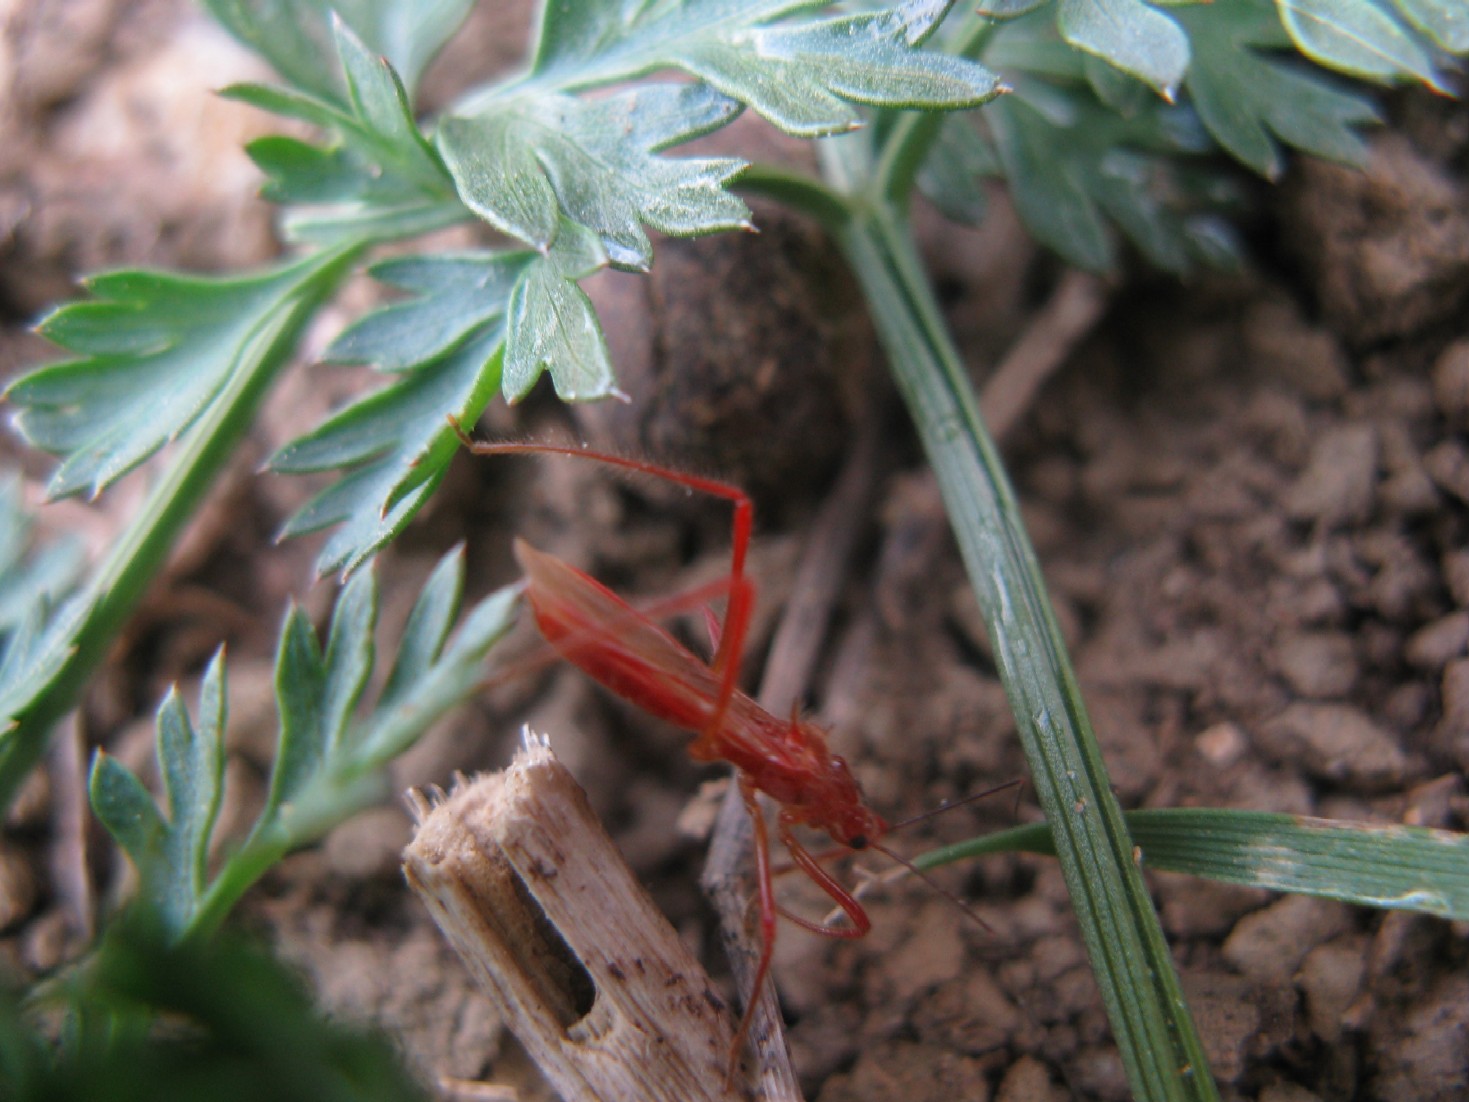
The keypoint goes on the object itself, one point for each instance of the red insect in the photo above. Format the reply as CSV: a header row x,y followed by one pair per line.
x,y
786,759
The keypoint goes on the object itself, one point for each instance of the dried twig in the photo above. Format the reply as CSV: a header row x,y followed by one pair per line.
x,y
792,658
592,979
1068,315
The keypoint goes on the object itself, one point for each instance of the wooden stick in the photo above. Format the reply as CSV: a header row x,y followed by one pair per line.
x,y
595,983
1073,308
793,654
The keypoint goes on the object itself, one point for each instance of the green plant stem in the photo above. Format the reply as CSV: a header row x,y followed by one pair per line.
x,y
121,579
1159,1044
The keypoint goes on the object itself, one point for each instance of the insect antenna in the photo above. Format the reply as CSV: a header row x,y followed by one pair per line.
x,y
969,911
973,797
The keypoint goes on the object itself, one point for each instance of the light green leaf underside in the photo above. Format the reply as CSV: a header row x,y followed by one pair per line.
x,y
1358,37
1389,867
597,161
1129,34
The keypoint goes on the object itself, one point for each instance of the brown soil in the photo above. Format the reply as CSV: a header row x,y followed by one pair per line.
x,y
1250,496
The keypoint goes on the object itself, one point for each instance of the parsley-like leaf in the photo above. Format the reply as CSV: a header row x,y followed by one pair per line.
x,y
381,178
1361,38
169,851
294,34
156,350
329,759
1129,34
528,159
520,166
398,443
1250,98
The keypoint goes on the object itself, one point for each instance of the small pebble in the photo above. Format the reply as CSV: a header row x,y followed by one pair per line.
x,y
1435,646
1451,385
1336,742
1269,945
1339,482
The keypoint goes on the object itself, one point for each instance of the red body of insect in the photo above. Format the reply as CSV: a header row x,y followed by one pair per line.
x,y
786,759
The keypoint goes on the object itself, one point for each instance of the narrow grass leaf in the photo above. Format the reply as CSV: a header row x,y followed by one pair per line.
x,y
1371,865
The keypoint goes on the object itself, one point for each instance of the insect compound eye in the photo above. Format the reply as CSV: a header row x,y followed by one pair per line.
x,y
857,841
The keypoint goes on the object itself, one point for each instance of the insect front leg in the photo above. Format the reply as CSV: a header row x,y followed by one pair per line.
x,y
844,899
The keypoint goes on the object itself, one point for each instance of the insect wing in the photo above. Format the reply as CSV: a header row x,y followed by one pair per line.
x,y
615,644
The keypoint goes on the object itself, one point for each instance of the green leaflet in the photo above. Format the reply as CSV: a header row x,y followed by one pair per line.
x,y
1076,171
521,166
553,326
1361,38
1131,35
803,76
156,349
169,850
294,34
381,178
397,443
1251,98
329,756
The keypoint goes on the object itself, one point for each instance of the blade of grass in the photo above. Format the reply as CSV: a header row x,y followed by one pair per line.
x,y
1155,1033
1389,867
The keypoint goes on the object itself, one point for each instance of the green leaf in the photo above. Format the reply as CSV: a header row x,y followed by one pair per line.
x,y
554,327
456,293
1445,21
1358,37
148,1017
317,692
170,852
31,579
329,762
157,350
430,677
294,35
521,165
329,757
1130,35
1249,99
380,178
1388,867
803,76
398,442
1076,169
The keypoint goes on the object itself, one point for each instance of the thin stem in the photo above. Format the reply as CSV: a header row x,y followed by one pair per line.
x,y
1159,1045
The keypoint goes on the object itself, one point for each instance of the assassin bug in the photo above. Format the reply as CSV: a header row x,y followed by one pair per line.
x,y
628,653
